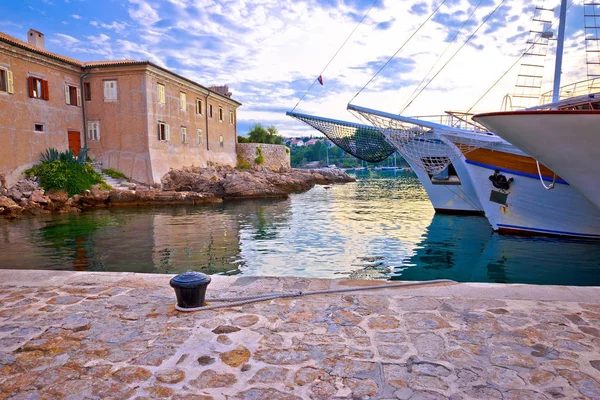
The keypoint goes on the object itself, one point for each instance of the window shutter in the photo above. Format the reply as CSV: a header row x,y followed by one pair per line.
x,y
31,82
158,131
67,95
114,90
9,78
167,133
79,97
45,91
106,91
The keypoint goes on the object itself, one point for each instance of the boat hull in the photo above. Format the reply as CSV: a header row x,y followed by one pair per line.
x,y
565,141
526,208
451,198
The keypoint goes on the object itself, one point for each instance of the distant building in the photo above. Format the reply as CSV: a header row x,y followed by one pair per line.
x,y
134,116
296,143
312,142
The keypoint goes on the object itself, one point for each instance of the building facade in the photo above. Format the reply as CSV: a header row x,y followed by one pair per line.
x,y
133,116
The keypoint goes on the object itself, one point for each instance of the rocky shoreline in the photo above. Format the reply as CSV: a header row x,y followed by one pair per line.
x,y
188,186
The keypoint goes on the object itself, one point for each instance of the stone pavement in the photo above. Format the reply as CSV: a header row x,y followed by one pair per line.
x,y
117,336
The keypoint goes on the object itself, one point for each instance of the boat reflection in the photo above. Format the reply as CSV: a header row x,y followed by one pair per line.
x,y
466,250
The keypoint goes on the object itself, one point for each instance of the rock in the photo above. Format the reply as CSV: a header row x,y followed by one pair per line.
x,y
212,379
15,194
132,374
206,360
170,376
26,186
38,197
265,393
6,202
236,357
60,197
224,329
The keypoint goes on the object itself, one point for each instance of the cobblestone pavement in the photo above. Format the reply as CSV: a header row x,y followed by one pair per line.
x,y
118,336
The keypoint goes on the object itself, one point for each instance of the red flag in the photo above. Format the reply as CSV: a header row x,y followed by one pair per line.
x,y
320,79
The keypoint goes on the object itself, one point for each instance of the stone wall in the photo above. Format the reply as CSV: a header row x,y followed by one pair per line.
x,y
277,156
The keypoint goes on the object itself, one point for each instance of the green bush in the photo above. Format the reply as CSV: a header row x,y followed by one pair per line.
x,y
242,163
287,150
67,175
259,160
113,173
104,186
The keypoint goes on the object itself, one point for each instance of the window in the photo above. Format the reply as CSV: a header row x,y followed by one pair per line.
x,y
93,130
38,88
221,143
199,106
183,135
110,90
231,117
210,110
220,113
182,101
72,95
87,91
163,132
6,81
38,127
161,93
199,136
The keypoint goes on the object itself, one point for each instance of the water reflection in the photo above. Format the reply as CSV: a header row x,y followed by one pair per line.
x,y
465,249
380,227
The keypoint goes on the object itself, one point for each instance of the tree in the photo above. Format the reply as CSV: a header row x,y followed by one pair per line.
x,y
259,134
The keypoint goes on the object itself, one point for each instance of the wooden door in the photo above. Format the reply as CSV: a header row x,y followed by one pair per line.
x,y
75,142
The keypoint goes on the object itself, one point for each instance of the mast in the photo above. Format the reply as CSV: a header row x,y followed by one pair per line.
x,y
559,50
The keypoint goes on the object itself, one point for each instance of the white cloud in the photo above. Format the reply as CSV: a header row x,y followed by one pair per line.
x,y
75,16
270,51
142,12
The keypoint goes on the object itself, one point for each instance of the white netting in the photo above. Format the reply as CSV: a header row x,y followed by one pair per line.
x,y
430,149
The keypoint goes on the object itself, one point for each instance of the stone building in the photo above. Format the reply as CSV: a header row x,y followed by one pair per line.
x,y
134,116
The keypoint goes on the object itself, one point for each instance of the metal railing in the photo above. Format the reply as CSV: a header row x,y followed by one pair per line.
x,y
455,119
573,90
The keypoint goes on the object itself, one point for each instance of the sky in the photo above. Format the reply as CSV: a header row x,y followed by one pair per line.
x,y
270,52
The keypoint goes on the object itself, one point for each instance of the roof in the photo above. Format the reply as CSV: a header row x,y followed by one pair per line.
x,y
24,45
97,64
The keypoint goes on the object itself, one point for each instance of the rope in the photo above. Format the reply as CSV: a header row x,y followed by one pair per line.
x,y
398,51
243,300
412,97
542,179
515,63
463,45
336,53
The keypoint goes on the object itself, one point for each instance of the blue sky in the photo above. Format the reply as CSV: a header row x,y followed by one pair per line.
x,y
270,51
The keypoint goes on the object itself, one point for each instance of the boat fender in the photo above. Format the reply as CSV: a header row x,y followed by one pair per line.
x,y
499,181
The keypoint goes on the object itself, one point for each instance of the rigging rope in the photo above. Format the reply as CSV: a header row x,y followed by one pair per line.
x,y
398,51
515,63
411,98
336,53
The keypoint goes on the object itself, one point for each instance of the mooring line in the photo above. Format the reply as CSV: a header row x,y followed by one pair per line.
x,y
242,300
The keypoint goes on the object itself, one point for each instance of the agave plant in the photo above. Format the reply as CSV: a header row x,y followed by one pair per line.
x,y
50,155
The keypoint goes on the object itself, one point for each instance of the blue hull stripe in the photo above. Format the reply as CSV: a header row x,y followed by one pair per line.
x,y
522,228
510,171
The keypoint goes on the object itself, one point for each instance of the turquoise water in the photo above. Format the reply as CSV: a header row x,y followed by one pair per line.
x,y
381,226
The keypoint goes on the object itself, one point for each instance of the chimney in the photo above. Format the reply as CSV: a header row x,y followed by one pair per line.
x,y
35,38
223,90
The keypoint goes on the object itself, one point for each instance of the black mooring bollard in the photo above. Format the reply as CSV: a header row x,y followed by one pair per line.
x,y
190,288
